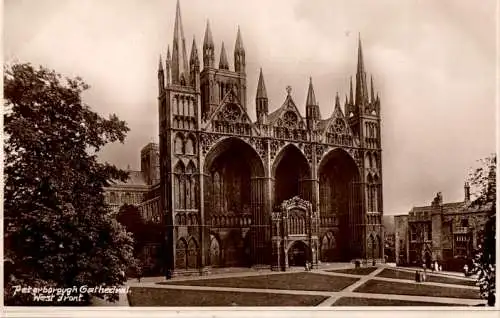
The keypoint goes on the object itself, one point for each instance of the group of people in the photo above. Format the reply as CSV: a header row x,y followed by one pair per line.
x,y
421,276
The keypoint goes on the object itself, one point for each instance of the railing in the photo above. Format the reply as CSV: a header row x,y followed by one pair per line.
x,y
461,230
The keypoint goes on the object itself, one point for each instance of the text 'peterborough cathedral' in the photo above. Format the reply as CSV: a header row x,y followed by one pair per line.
x,y
277,192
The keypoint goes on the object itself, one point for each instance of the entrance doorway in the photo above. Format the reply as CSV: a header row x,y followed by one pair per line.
x,y
298,254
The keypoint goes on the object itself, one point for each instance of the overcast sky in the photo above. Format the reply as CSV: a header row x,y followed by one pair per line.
x,y
433,64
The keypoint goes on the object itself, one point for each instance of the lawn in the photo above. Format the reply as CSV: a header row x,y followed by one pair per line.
x,y
355,301
355,271
415,289
143,296
391,273
292,281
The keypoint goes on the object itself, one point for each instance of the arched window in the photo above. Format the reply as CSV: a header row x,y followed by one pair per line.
x,y
179,186
181,254
190,146
214,251
178,144
192,256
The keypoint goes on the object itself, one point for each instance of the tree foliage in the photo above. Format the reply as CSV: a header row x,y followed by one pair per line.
x,y
483,185
58,230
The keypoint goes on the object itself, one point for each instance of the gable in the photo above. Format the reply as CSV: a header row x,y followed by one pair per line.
x,y
231,117
337,130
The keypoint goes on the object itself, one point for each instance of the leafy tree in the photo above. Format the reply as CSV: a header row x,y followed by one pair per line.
x,y
58,230
483,185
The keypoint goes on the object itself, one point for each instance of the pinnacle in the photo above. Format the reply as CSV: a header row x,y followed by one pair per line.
x,y
208,40
223,63
239,42
261,87
311,97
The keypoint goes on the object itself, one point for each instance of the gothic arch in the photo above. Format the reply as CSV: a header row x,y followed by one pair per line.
x,y
179,144
190,145
214,250
290,169
192,255
328,247
230,143
281,154
181,254
341,201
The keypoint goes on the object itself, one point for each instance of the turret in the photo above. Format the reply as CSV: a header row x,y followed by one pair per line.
x,y
261,101
208,48
312,107
239,54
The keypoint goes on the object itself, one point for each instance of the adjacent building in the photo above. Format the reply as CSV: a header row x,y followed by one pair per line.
x,y
444,232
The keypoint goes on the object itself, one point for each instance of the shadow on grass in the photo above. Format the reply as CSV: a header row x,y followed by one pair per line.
x,y
396,288
355,301
145,297
391,273
293,281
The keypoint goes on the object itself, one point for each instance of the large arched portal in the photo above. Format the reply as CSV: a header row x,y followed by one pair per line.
x,y
340,205
290,171
233,197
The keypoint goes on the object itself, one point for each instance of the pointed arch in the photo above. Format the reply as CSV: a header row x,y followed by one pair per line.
x,y
181,254
192,255
190,145
179,144
214,250
290,168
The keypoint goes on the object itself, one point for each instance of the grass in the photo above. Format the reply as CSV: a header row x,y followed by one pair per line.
x,y
292,281
143,296
391,273
415,289
355,301
355,271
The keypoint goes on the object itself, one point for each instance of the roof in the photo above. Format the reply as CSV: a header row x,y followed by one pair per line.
x,y
135,178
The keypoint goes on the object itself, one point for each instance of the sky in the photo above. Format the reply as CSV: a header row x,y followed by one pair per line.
x,y
433,64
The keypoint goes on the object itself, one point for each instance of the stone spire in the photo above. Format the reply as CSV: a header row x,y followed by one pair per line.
x,y
239,54
168,65
261,87
161,77
361,85
223,63
311,97
180,68
194,60
261,101
208,48
312,107
194,63
372,89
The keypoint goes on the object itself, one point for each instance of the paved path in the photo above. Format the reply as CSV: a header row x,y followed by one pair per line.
x,y
332,296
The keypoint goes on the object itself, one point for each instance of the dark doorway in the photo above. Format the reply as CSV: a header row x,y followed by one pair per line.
x,y
340,203
298,254
291,168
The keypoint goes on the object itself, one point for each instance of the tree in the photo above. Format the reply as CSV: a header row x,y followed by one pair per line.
x,y
130,217
483,185
58,230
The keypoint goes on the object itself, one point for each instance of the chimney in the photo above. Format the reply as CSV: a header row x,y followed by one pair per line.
x,y
467,192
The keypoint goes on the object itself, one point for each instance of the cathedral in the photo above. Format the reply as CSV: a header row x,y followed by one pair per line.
x,y
280,191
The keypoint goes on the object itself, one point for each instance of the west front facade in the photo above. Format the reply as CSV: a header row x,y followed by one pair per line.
x,y
278,191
